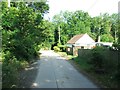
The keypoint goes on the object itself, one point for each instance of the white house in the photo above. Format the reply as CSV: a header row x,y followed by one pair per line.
x,y
82,41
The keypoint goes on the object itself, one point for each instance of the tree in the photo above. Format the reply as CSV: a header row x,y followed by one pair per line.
x,y
107,38
71,23
22,32
114,26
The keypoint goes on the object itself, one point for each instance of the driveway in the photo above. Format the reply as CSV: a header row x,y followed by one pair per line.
x,y
55,71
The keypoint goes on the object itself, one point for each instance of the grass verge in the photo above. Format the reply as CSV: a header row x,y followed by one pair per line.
x,y
64,54
103,80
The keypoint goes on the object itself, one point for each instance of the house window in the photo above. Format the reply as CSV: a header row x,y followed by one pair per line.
x,y
68,49
82,47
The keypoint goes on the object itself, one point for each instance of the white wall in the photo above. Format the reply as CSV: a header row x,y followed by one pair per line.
x,y
86,39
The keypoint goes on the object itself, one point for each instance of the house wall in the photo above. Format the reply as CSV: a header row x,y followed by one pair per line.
x,y
73,50
85,42
76,48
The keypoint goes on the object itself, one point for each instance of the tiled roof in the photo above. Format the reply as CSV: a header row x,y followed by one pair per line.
x,y
75,38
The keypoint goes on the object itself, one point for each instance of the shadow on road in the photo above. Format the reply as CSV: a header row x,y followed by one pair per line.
x,y
28,76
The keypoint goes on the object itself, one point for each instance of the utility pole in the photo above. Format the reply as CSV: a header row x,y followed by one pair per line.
x,y
100,22
115,36
8,3
99,35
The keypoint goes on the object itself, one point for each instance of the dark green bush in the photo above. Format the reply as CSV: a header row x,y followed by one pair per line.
x,y
10,70
116,46
97,59
102,61
10,73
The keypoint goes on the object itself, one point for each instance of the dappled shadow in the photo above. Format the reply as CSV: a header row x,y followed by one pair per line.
x,y
75,63
28,75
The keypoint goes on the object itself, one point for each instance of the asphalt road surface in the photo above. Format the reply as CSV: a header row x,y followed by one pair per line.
x,y
55,72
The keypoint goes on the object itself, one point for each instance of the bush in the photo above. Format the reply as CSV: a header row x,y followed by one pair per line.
x,y
10,70
56,48
97,59
116,46
24,64
9,73
107,38
103,64
62,48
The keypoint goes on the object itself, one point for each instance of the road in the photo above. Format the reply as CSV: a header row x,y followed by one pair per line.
x,y
55,71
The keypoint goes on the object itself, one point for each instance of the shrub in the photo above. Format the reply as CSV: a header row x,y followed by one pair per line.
x,y
97,59
117,74
62,48
9,73
23,64
10,70
116,46
56,48
107,38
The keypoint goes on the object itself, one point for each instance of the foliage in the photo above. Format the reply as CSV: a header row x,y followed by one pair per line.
x,y
80,22
83,62
117,75
47,34
116,46
102,64
62,48
19,29
56,48
97,59
107,38
71,23
10,73
23,30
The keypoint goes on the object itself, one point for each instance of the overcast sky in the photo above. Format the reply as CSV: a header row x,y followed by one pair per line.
x,y
93,7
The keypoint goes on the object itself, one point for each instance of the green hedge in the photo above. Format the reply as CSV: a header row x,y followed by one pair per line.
x,y
102,63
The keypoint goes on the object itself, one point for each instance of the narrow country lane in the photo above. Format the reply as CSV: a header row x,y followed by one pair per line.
x,y
55,72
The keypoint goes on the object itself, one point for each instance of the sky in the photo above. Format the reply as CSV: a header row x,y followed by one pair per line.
x,y
93,7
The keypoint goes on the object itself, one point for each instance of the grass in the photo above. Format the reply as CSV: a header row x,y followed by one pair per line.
x,y
81,62
104,80
64,54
